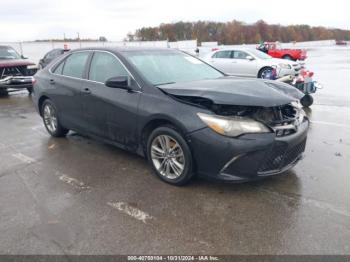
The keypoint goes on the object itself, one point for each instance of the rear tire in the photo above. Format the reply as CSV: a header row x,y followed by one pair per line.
x,y
3,92
307,100
170,156
51,120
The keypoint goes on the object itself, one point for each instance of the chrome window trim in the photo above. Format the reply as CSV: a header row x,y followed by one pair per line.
x,y
88,80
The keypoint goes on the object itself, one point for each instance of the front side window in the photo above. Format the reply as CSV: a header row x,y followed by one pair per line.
x,y
105,66
162,67
259,54
75,64
223,54
240,55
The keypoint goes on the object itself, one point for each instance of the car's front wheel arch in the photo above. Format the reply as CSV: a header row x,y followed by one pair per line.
x,y
172,160
155,123
264,69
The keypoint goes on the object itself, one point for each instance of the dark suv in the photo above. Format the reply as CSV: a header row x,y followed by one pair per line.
x,y
15,71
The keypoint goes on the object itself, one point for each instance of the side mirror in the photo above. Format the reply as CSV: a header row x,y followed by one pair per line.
x,y
122,82
23,57
250,58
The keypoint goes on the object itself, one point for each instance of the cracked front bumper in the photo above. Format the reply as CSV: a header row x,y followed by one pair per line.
x,y
248,157
17,82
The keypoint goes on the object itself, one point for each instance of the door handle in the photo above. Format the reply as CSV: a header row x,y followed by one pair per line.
x,y
86,91
52,82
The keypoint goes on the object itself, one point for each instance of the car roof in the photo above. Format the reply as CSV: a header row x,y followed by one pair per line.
x,y
235,48
123,49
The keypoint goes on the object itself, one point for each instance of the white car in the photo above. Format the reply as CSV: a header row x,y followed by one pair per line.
x,y
250,62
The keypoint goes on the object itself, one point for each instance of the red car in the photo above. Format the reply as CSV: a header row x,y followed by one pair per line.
x,y
15,71
275,50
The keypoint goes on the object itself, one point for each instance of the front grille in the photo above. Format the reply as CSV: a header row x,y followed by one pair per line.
x,y
284,120
280,156
12,71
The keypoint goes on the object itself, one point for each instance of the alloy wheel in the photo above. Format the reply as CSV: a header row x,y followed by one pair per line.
x,y
167,156
50,118
266,73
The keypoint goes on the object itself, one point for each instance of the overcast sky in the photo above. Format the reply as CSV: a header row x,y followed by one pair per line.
x,y
35,19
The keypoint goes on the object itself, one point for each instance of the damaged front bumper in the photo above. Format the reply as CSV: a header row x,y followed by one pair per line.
x,y
248,157
16,82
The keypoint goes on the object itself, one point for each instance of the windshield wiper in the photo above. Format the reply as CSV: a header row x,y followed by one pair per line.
x,y
161,84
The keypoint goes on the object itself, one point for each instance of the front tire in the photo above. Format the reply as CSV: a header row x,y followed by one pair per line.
x,y
170,156
51,120
264,72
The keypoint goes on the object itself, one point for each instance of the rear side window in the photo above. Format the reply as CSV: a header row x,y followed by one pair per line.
x,y
58,69
75,64
104,66
223,54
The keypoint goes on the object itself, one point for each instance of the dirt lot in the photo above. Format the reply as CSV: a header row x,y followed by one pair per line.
x,y
77,196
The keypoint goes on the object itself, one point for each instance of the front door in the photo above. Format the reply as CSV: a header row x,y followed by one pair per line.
x,y
110,113
244,66
222,60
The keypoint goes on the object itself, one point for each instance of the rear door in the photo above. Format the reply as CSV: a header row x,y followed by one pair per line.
x,y
110,113
222,60
67,81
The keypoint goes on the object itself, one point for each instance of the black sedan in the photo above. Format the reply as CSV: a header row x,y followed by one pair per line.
x,y
185,116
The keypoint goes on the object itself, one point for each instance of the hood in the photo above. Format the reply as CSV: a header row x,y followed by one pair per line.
x,y
282,61
277,61
237,91
14,62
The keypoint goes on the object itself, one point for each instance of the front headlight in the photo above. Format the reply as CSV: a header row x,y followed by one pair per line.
x,y
233,126
285,66
32,67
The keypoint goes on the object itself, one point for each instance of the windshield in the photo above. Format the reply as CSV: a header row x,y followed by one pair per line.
x,y
165,67
260,54
8,53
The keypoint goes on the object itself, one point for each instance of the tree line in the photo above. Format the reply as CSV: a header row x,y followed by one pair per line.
x,y
236,32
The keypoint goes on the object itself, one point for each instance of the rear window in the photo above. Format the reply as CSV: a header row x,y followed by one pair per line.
x,y
223,54
75,65
58,69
